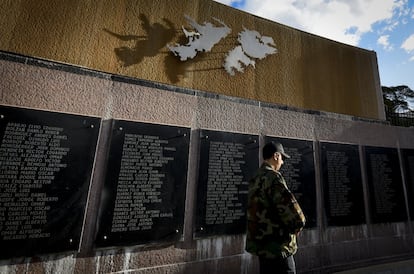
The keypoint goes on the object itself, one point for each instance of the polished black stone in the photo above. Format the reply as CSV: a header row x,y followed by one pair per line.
x,y
342,184
46,160
227,162
144,194
385,185
299,173
408,164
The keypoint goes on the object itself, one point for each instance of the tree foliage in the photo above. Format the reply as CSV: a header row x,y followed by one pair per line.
x,y
396,99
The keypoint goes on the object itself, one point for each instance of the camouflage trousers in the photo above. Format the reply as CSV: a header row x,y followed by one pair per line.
x,y
277,265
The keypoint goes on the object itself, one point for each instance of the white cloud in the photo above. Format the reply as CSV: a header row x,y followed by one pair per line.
x,y
341,20
384,42
408,44
390,26
401,7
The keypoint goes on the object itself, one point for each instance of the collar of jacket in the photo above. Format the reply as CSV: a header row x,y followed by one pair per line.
x,y
269,167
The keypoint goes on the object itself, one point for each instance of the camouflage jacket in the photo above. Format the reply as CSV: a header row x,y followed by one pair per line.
x,y
274,217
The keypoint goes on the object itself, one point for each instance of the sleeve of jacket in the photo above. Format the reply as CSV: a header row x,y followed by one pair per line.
x,y
289,212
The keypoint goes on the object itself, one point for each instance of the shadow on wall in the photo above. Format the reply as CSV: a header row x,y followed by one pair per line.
x,y
156,37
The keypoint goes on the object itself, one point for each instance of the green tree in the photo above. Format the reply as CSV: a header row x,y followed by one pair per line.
x,y
396,99
398,103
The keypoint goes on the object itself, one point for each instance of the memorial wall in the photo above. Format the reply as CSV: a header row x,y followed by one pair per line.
x,y
342,184
47,159
299,173
141,38
160,186
145,184
408,162
385,185
227,162
118,156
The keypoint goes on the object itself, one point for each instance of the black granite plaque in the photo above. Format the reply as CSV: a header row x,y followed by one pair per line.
x,y
342,184
227,162
408,163
145,185
299,173
46,160
385,185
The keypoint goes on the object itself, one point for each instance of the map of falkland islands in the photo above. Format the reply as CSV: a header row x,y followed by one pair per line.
x,y
252,45
203,39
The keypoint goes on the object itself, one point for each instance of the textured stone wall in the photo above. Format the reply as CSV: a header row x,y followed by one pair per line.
x,y
131,37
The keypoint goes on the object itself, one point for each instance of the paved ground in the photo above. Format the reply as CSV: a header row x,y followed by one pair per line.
x,y
402,267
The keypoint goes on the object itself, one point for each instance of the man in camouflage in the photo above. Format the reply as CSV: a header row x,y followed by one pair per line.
x,y
273,214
